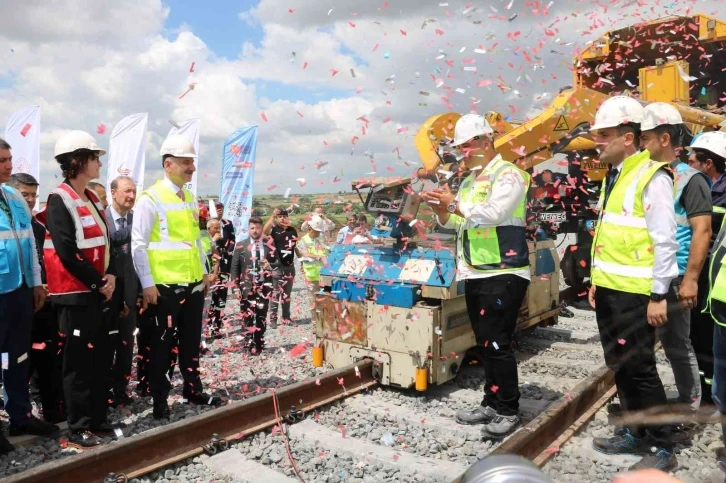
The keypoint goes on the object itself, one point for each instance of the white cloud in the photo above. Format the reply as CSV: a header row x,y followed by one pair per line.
x,y
88,63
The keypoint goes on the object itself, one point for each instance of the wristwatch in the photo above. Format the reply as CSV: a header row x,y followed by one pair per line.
x,y
657,297
451,208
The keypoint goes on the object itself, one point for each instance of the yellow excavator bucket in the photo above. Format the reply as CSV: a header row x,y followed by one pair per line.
x,y
431,132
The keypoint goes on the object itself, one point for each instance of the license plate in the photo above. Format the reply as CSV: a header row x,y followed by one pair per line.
x,y
561,216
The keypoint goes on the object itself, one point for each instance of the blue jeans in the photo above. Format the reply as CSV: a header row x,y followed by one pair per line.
x,y
718,388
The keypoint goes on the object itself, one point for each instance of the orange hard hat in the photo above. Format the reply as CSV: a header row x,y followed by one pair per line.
x,y
203,211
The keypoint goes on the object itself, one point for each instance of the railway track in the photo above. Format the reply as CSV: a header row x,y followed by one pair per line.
x,y
563,384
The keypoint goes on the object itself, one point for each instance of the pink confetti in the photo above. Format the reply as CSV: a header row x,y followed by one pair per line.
x,y
552,449
90,346
191,69
39,346
25,130
263,116
494,389
621,341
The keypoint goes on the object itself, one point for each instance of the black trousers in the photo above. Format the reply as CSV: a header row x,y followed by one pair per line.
x,y
493,305
16,308
254,314
702,336
179,308
46,361
628,344
122,350
219,302
86,359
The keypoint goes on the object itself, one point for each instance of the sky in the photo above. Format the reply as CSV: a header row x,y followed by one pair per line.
x,y
345,82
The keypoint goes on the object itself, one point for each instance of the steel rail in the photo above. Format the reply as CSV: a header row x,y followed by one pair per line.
x,y
211,431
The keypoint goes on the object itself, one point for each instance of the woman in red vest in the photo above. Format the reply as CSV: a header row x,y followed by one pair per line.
x,y
81,280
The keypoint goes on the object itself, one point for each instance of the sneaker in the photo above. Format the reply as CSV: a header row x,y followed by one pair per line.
x,y
83,439
662,460
34,426
501,426
480,415
623,443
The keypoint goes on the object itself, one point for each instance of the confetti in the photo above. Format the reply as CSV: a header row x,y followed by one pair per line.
x,y
25,130
263,116
191,69
621,341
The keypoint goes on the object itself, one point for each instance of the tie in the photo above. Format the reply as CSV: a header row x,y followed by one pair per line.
x,y
121,222
180,194
609,183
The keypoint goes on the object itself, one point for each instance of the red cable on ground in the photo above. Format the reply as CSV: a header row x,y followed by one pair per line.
x,y
284,436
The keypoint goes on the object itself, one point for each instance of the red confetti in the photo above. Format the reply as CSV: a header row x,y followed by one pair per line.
x,y
101,129
552,450
298,349
494,389
90,346
264,116
621,341
39,346
25,130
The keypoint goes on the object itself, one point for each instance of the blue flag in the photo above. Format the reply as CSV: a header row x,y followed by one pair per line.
x,y
238,177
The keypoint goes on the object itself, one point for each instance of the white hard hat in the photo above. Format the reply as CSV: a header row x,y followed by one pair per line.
x,y
616,111
74,140
714,141
659,113
178,146
470,126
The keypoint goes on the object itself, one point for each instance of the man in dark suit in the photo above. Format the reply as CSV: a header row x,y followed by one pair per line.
x,y
120,218
251,270
224,238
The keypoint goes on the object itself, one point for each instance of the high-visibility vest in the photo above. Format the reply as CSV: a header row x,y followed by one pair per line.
x,y
207,243
90,240
174,246
684,230
316,247
622,249
493,249
716,300
16,248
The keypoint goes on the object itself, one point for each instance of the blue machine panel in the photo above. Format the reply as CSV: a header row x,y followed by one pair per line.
x,y
390,276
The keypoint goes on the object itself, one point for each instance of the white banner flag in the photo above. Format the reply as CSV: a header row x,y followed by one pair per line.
x,y
22,132
127,150
190,129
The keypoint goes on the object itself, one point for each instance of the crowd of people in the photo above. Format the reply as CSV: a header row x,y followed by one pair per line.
x,y
656,268
88,278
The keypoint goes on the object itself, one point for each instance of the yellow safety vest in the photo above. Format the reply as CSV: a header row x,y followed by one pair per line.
x,y
316,247
174,246
490,249
622,250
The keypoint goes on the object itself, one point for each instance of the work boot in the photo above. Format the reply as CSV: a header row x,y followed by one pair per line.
x,y
202,399
5,445
621,443
34,426
83,439
500,426
480,415
663,460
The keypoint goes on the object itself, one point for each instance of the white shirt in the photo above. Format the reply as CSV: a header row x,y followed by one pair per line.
x,y
144,219
660,218
507,193
116,217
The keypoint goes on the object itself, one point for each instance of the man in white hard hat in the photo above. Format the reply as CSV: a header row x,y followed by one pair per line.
x,y
662,135
707,153
709,150
489,213
170,262
633,263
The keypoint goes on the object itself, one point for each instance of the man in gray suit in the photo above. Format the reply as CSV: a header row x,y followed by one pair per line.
x,y
119,216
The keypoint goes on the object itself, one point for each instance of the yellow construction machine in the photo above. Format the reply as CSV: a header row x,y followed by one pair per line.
x,y
679,60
